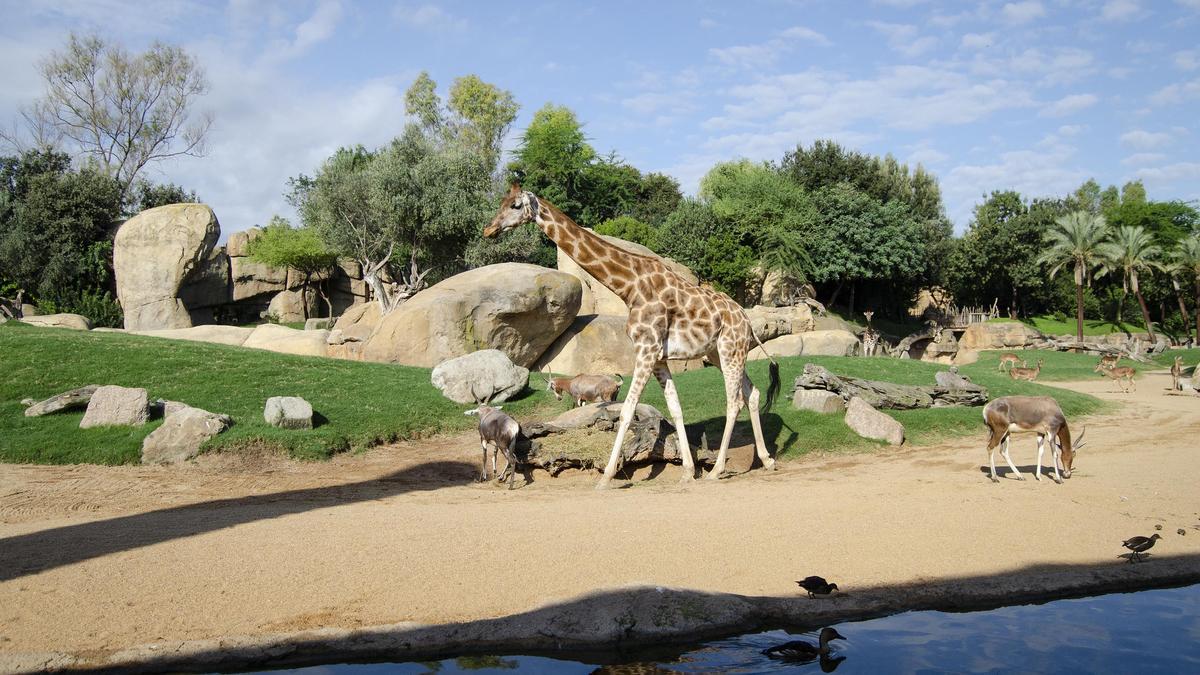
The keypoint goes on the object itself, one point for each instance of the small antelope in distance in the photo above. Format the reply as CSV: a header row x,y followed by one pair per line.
x,y
1007,358
1122,375
1039,414
1109,360
586,388
1176,373
1029,374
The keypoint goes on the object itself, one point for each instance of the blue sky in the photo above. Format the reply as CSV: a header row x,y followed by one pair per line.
x,y
1033,95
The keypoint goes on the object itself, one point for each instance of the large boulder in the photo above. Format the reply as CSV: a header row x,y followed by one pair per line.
x,y
769,323
276,338
239,242
819,401
72,321
780,289
485,375
870,423
182,433
596,298
111,405
288,306
812,343
999,335
252,278
221,335
154,255
517,308
358,322
592,344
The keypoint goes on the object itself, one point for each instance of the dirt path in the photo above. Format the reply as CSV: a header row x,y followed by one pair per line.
x,y
94,559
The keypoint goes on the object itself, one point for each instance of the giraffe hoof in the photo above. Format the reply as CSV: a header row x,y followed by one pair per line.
x,y
603,484
995,480
1021,478
713,475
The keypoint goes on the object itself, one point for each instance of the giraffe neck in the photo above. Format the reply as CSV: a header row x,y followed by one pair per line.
x,y
609,264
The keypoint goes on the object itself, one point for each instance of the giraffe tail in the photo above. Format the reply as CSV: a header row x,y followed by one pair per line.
x,y
774,384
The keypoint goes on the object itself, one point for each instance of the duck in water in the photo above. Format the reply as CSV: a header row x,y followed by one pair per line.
x,y
1140,545
800,651
817,586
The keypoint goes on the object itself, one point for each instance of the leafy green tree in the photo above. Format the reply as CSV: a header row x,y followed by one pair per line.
x,y
55,230
302,249
122,111
610,189
552,158
147,195
1129,251
688,230
658,196
1075,240
1187,256
630,229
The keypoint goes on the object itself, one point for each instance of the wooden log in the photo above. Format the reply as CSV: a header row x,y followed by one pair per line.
x,y
76,398
888,394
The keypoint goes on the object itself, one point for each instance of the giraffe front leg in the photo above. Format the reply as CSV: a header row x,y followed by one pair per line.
x,y
663,373
641,374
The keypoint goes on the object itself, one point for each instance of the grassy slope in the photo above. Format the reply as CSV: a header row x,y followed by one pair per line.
x,y
1052,326
366,403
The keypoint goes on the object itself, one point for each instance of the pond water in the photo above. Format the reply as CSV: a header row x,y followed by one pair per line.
x,y
1154,631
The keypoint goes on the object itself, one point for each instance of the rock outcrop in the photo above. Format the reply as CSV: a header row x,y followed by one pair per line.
x,y
812,343
288,412
517,308
156,255
486,375
72,321
815,400
181,434
999,335
223,335
870,423
111,405
595,344
880,394
284,340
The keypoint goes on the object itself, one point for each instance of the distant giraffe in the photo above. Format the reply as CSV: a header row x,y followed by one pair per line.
x,y
870,336
669,318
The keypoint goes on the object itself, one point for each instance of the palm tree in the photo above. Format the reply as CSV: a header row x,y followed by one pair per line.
x,y
1130,250
1074,239
1174,270
1187,257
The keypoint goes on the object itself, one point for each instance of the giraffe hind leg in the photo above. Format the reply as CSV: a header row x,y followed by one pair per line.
x,y
733,405
750,394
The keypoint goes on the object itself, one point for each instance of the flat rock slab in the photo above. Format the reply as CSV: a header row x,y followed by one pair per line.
x,y
288,412
181,435
818,401
76,398
72,321
870,423
117,406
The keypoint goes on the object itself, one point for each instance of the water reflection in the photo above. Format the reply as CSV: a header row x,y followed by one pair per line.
x,y
1147,632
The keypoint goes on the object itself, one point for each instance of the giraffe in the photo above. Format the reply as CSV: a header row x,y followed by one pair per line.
x,y
669,317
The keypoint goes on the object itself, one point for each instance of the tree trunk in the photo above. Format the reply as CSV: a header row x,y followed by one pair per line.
x,y
1121,305
837,291
1079,311
304,295
1182,305
1146,316
850,313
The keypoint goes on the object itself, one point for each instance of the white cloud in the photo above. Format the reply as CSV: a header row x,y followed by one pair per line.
x,y
428,17
977,40
1071,129
1068,105
314,30
1171,173
1023,12
927,156
1187,59
904,38
1042,172
1176,93
652,102
1145,140
764,54
1118,10
1143,158
902,4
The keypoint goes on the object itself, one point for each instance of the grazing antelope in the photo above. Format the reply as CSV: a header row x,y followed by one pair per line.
x,y
1037,414
501,431
587,388
1022,373
1109,360
1122,375
1176,373
1007,358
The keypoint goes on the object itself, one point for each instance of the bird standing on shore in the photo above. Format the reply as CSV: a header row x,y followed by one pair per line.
x,y
799,650
817,586
1140,545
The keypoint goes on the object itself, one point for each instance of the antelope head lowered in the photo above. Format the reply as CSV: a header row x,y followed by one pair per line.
x,y
1037,414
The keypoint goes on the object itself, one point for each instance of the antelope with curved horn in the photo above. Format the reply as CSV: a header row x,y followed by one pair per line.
x,y
1037,414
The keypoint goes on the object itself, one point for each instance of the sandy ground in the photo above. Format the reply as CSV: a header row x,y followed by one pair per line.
x,y
94,559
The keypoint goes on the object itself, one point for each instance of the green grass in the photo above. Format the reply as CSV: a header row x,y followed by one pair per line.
x,y
1069,366
362,403
1091,327
367,403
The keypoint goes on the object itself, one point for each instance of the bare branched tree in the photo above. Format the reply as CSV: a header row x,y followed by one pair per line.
x,y
122,111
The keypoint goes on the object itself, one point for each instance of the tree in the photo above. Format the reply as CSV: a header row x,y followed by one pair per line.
x,y
552,158
1187,256
1075,240
147,195
281,245
119,110
630,229
55,226
658,196
1129,251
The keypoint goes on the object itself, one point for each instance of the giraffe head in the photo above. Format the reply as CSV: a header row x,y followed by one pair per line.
x,y
519,207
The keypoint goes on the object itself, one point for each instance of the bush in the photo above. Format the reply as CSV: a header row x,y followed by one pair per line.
x,y
98,306
630,229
